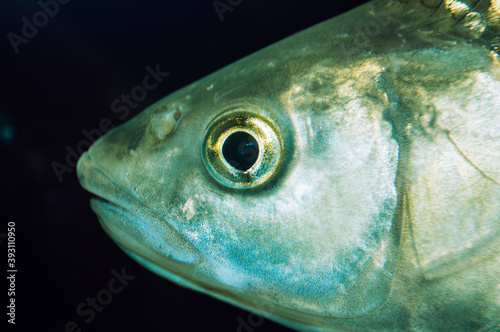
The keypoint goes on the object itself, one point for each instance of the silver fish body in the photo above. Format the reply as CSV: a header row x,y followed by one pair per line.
x,y
345,178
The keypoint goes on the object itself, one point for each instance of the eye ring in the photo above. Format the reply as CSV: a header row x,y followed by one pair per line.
x,y
266,150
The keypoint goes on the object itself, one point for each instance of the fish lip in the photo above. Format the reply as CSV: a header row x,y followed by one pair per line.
x,y
97,198
131,220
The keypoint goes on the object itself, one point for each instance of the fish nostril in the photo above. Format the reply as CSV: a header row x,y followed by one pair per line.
x,y
241,150
164,123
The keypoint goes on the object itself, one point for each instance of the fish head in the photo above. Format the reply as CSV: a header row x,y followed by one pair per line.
x,y
255,191
310,181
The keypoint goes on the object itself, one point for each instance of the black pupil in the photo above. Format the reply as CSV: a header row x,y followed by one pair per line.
x,y
241,150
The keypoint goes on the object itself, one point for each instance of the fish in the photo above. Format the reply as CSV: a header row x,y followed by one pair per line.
x,y
344,178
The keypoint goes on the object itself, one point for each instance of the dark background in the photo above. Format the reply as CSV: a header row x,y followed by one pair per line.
x,y
62,82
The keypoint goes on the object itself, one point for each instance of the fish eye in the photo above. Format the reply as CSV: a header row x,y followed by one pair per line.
x,y
242,148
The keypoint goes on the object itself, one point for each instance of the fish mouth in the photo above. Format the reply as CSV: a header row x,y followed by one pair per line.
x,y
124,219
